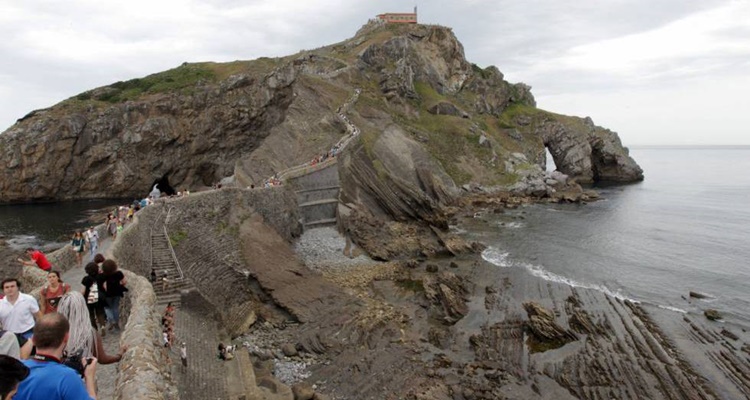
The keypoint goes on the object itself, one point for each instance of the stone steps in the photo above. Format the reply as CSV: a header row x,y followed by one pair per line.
x,y
320,222
319,202
162,260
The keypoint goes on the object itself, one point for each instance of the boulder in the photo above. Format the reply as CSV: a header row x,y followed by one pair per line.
x,y
712,314
447,108
303,391
698,295
289,349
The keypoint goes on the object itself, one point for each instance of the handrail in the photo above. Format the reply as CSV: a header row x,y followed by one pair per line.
x,y
169,243
174,256
150,234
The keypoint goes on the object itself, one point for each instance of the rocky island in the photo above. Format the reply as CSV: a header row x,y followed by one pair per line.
x,y
415,139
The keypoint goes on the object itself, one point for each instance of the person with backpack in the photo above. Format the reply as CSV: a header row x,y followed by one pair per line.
x,y
52,293
114,287
94,296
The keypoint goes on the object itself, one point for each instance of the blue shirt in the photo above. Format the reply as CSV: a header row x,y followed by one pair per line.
x,y
49,380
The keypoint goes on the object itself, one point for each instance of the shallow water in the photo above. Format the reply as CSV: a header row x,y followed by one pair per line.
x,y
686,227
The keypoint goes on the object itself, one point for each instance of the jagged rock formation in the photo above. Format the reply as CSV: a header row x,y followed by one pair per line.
x,y
430,121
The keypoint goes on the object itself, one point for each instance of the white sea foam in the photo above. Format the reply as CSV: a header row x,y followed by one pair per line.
x,y
501,259
511,225
670,308
496,256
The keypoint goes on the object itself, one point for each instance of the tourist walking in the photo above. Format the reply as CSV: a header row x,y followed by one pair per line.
x,y
52,293
112,225
114,285
78,244
18,310
183,355
36,258
92,237
84,340
94,296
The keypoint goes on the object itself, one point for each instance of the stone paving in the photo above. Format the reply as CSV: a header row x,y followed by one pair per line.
x,y
205,375
106,375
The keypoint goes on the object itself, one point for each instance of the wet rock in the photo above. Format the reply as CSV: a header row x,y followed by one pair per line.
x,y
698,295
712,314
729,334
453,264
431,268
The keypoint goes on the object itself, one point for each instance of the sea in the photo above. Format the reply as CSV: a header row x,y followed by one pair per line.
x,y
685,228
49,225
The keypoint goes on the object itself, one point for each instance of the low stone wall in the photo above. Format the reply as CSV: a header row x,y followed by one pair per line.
x,y
144,369
133,245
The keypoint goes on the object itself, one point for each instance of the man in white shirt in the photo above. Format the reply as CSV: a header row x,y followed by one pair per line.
x,y
92,236
18,310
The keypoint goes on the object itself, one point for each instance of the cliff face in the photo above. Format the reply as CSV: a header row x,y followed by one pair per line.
x,y
88,149
424,108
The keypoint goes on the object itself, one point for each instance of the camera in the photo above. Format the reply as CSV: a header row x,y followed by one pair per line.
x,y
75,362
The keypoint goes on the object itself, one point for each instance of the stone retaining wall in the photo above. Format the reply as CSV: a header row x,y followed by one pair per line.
x,y
204,231
145,373
144,370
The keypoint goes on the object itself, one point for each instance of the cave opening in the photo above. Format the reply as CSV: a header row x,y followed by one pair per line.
x,y
163,185
549,160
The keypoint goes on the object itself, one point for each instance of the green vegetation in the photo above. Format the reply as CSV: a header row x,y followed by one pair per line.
x,y
429,95
176,237
181,77
380,169
447,143
416,286
479,71
537,346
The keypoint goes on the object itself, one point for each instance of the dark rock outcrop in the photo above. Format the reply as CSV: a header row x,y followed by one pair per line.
x,y
447,292
543,327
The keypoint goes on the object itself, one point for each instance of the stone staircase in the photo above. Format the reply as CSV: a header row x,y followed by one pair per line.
x,y
163,260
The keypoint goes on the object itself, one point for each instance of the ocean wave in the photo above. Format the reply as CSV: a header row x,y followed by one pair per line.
x,y
501,259
496,256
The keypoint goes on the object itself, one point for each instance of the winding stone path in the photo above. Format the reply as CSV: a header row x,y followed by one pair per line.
x,y
106,375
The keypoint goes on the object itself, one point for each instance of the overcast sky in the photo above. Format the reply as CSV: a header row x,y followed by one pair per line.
x,y
655,71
